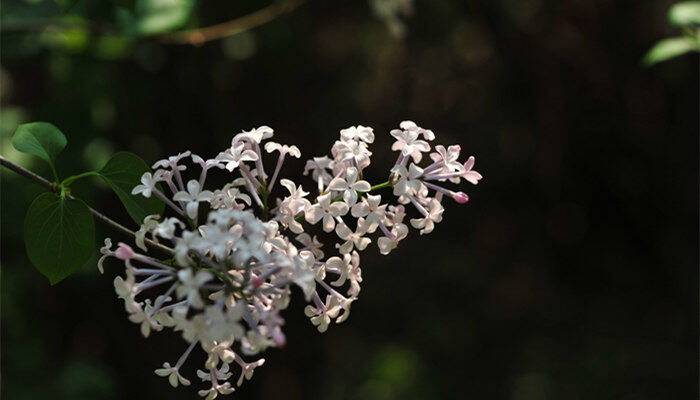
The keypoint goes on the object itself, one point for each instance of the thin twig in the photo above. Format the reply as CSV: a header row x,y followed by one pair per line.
x,y
199,36
98,215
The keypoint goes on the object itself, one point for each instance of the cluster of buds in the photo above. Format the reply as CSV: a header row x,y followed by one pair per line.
x,y
231,270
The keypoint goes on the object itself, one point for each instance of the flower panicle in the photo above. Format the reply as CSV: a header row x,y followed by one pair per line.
x,y
237,252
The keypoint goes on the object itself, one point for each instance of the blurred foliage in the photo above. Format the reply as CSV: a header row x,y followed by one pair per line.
x,y
572,273
684,15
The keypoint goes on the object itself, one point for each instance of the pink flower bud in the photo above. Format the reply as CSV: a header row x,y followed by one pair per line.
x,y
256,282
279,338
124,252
461,197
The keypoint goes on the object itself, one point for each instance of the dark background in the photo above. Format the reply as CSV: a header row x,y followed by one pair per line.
x,y
571,274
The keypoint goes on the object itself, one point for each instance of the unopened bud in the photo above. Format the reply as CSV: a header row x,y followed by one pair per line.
x,y
461,197
124,252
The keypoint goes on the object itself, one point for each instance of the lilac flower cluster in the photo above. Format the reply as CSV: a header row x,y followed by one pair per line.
x,y
232,269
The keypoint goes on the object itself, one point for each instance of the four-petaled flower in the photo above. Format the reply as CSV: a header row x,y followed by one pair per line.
x,y
148,183
235,155
349,186
427,223
407,141
353,239
372,210
193,196
173,375
190,284
325,210
469,174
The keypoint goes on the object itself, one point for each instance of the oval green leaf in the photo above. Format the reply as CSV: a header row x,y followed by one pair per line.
x,y
669,48
159,16
59,234
41,139
685,14
123,172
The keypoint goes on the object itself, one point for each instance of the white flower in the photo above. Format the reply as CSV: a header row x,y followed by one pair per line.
x,y
311,244
319,167
325,210
387,244
255,342
149,224
372,210
256,135
216,388
235,155
247,369
434,216
283,149
139,316
411,126
228,197
353,151
188,241
407,141
448,159
469,175
218,351
349,186
207,164
409,182
349,269
359,132
352,239
173,375
303,274
148,183
166,229
221,374
296,201
192,197
172,161
190,285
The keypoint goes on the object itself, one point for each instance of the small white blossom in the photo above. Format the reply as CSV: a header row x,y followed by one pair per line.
x,y
148,183
326,211
190,285
193,196
173,375
235,155
353,239
349,186
359,132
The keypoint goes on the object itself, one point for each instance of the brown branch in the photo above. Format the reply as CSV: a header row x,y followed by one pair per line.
x,y
98,215
199,36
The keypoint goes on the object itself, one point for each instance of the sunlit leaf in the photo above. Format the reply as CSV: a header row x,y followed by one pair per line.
x,y
158,16
41,139
669,48
684,14
59,234
122,172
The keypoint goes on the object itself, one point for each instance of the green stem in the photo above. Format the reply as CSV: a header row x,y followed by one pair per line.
x,y
70,179
381,186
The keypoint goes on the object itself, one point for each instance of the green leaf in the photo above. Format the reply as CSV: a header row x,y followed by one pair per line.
x,y
669,48
59,234
159,16
40,139
685,14
122,172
